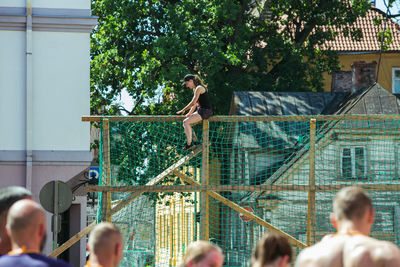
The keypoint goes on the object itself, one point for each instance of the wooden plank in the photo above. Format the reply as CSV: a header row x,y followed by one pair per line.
x,y
106,196
72,240
250,188
156,179
243,211
311,220
204,201
362,117
133,118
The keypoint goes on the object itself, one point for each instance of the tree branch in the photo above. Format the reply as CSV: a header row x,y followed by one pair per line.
x,y
136,105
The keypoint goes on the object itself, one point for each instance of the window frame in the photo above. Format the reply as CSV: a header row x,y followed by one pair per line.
x,y
353,162
395,79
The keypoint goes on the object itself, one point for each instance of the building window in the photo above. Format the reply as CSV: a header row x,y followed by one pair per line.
x,y
396,80
353,162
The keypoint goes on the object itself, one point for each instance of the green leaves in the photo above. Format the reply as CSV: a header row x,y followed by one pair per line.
x,y
148,46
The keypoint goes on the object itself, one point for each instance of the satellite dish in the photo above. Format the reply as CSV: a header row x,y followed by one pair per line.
x,y
48,194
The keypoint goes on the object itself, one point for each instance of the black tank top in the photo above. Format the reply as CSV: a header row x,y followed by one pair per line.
x,y
204,100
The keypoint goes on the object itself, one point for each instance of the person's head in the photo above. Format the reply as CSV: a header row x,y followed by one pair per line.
x,y
105,245
352,204
203,254
26,225
272,249
8,196
192,81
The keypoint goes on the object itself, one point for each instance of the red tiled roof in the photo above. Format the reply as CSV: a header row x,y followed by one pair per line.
x,y
369,42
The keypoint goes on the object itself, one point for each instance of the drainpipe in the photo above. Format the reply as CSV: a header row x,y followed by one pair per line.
x,y
28,79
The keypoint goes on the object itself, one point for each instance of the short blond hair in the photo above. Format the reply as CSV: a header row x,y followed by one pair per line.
x,y
351,203
197,251
101,237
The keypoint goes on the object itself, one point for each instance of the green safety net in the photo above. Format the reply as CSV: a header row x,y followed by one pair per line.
x,y
269,166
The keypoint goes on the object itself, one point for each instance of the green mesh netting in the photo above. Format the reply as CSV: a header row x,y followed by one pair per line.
x,y
264,164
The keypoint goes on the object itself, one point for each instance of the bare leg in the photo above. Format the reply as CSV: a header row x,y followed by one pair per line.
x,y
187,125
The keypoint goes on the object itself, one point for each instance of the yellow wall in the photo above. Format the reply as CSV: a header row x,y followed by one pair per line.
x,y
388,61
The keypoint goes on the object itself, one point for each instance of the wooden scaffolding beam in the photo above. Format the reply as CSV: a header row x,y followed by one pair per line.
x,y
303,118
72,240
251,188
204,201
311,219
106,196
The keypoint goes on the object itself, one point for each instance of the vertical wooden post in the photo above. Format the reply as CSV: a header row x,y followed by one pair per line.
x,y
311,224
171,236
175,233
106,196
182,227
204,201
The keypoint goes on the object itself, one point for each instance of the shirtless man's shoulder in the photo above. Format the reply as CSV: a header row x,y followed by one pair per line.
x,y
350,251
327,252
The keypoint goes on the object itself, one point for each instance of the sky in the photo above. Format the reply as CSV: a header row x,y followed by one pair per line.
x,y
394,10
127,100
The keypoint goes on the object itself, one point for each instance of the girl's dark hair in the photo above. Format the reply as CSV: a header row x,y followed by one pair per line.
x,y
197,81
270,247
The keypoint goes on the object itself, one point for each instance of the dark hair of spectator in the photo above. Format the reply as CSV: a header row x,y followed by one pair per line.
x,y
10,195
270,247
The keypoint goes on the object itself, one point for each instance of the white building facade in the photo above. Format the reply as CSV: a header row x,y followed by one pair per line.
x,y
44,91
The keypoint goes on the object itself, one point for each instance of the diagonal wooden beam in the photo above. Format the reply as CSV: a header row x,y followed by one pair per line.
x,y
241,210
156,180
72,240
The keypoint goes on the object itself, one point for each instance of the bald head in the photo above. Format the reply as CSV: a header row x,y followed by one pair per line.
x,y
26,224
105,244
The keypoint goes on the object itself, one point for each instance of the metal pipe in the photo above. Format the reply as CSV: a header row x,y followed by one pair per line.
x,y
28,89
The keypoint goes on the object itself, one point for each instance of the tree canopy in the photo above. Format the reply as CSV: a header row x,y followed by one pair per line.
x,y
147,46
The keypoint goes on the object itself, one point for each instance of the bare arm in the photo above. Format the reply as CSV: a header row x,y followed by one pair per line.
x,y
192,109
199,90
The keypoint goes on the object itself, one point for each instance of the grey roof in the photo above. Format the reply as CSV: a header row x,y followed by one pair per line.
x,y
277,135
282,103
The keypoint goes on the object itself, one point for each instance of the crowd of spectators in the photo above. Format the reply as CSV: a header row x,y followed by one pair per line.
x,y
23,235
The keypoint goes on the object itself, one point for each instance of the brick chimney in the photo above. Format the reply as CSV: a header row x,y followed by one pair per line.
x,y
363,75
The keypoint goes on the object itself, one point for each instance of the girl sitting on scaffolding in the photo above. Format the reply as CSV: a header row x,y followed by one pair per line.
x,y
201,101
